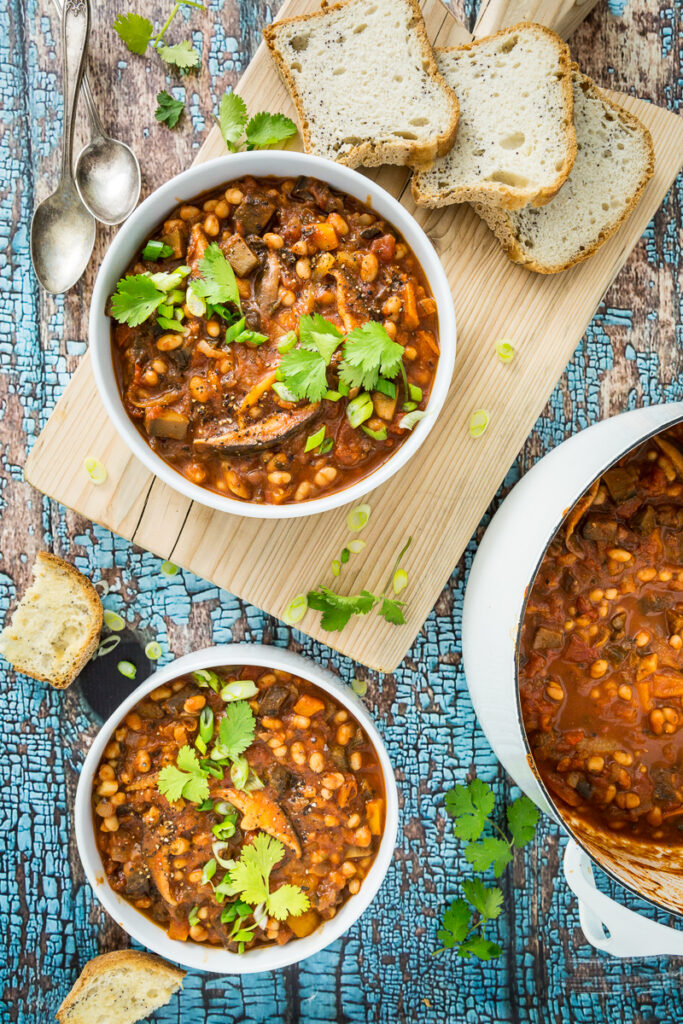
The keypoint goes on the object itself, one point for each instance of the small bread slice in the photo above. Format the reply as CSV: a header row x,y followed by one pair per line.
x,y
56,626
365,83
614,162
120,988
516,142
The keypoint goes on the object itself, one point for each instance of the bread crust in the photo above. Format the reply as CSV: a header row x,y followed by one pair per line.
x,y
111,961
504,231
90,595
370,152
497,192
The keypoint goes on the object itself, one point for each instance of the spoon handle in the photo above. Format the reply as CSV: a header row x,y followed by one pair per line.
x,y
75,31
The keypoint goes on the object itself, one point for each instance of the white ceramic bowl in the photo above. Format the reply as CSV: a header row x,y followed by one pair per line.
x,y
188,186
207,958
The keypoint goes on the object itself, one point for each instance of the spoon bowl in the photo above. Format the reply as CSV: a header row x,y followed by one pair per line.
x,y
62,239
108,179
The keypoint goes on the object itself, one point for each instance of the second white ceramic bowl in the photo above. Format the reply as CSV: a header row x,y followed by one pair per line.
x,y
188,186
209,958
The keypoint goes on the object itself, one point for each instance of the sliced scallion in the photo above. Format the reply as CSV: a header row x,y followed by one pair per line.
x,y
127,669
206,724
239,689
356,546
156,250
165,310
195,303
205,677
359,686
193,917
399,581
287,342
326,446
376,435
505,350
113,621
359,409
358,517
107,646
295,610
415,392
479,421
336,567
153,650
239,772
345,554
315,440
176,297
95,470
218,849
283,392
332,396
209,870
386,387
234,331
170,325
168,569
251,338
408,421
200,745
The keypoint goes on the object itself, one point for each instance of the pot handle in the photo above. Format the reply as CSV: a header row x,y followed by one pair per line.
x,y
608,925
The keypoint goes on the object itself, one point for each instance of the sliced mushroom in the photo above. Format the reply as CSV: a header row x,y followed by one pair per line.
x,y
234,437
166,423
239,256
268,285
260,812
252,214
579,510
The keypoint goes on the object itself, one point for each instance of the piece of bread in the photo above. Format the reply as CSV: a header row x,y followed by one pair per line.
x,y
365,83
614,162
56,626
516,141
120,988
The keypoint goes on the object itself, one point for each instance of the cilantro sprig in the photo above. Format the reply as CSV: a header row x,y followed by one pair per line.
x,y
464,920
250,879
262,131
369,354
184,779
217,283
138,33
168,109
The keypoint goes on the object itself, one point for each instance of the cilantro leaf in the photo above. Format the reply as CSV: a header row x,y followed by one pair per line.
x,y
456,923
317,333
470,806
232,117
369,353
489,851
184,779
337,609
134,30
480,947
522,818
288,899
169,109
182,55
135,299
217,283
487,901
236,729
268,129
304,373
392,611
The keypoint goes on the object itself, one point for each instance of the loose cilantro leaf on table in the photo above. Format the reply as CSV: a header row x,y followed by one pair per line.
x,y
480,947
369,354
183,55
134,30
232,117
470,806
135,299
185,779
456,923
522,818
338,609
169,110
268,129
392,611
487,852
217,283
487,901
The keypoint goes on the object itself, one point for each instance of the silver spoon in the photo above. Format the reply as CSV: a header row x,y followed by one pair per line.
x,y
62,230
107,170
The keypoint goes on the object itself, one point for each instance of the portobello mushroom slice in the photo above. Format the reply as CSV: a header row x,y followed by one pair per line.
x,y
235,438
239,255
166,423
252,214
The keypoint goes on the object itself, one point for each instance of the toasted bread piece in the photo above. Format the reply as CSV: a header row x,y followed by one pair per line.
x,y
614,162
516,141
120,988
365,83
56,626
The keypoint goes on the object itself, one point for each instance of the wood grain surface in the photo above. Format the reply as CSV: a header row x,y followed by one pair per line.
x,y
383,970
452,478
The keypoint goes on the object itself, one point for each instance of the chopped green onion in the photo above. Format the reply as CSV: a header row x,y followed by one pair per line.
x,y
225,829
399,581
287,342
127,669
295,610
200,745
153,650
95,470
332,396
234,331
359,686
205,677
165,310
251,338
239,689
415,392
343,388
107,646
358,517
356,546
225,808
336,567
283,392
239,772
206,725
195,303
168,569
156,250
386,387
408,421
479,421
208,871
345,554
409,406
176,297
114,621
326,446
193,917
206,806
376,435
217,849
170,325
359,409
178,314
505,350
314,440
167,282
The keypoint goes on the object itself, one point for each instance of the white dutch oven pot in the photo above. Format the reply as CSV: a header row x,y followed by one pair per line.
x,y
501,576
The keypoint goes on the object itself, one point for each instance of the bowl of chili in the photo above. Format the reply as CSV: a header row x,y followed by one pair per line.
x,y
572,656
272,334
238,812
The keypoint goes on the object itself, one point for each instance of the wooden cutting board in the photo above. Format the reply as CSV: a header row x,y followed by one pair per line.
x,y
442,493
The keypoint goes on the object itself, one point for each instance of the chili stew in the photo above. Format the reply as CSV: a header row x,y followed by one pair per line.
x,y
600,661
218,773
276,340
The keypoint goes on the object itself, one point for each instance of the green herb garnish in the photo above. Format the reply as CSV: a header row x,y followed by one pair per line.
x,y
169,109
262,131
369,353
250,879
232,117
304,373
135,299
185,779
217,283
134,30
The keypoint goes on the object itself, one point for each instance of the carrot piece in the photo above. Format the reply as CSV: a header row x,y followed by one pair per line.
x,y
304,924
374,809
324,237
347,792
308,706
178,930
430,341
252,397
410,317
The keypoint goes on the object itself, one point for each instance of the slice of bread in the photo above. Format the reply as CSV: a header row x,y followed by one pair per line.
x,y
365,83
120,988
516,142
614,162
56,626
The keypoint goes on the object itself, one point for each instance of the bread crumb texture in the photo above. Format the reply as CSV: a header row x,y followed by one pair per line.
x,y
56,627
120,988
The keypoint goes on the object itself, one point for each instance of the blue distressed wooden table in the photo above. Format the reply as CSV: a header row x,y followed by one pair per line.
x,y
383,970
